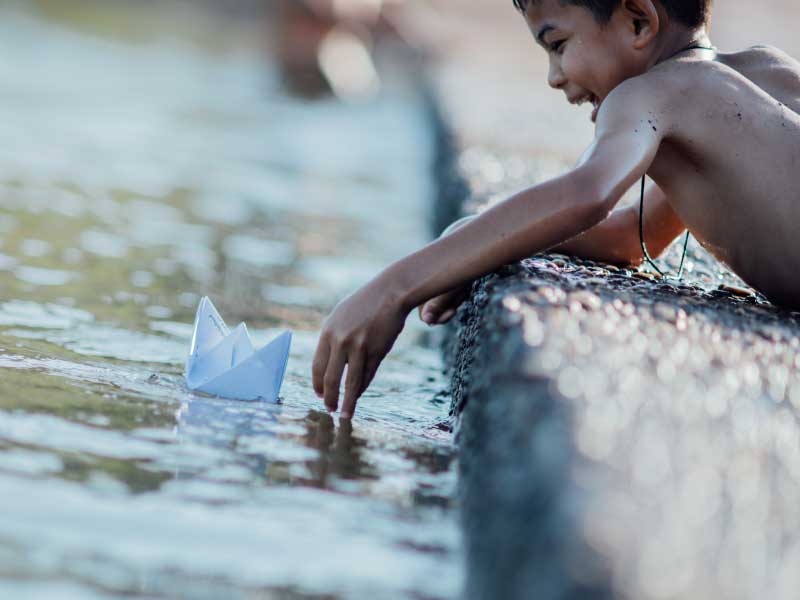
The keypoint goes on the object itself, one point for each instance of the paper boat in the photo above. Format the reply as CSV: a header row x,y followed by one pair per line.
x,y
224,363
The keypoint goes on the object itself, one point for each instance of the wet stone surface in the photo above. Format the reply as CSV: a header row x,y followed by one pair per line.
x,y
621,435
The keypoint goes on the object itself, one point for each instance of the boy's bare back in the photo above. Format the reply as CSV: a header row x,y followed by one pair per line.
x,y
729,162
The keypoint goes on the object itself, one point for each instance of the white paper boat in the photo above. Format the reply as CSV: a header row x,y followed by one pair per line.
x,y
224,363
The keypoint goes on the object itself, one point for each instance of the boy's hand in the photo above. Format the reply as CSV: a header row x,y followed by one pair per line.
x,y
439,310
359,333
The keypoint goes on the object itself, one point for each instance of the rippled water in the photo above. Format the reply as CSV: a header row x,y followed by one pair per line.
x,y
137,175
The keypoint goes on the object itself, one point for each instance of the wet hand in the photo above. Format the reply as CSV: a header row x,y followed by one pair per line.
x,y
358,335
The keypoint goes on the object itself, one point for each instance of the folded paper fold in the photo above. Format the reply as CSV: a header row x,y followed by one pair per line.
x,y
224,363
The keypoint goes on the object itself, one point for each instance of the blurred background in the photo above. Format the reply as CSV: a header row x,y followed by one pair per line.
x,y
274,155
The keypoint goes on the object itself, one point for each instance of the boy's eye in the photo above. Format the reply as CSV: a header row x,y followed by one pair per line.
x,y
555,46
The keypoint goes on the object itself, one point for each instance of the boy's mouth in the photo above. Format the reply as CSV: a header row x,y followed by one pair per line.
x,y
594,100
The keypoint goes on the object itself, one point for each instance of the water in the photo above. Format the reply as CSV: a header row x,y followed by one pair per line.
x,y
140,171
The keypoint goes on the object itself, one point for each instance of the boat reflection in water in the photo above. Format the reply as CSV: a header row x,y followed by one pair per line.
x,y
274,447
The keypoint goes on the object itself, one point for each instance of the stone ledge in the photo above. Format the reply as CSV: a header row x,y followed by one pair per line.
x,y
624,436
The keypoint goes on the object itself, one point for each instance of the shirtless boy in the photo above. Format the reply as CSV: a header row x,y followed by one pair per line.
x,y
718,134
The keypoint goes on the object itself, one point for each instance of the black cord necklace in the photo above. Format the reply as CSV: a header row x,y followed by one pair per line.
x,y
650,261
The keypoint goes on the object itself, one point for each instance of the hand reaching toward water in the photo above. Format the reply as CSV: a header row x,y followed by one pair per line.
x,y
362,329
358,334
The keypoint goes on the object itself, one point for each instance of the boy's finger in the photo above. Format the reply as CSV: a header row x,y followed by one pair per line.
x,y
319,365
430,311
333,378
352,385
427,312
421,309
446,316
370,369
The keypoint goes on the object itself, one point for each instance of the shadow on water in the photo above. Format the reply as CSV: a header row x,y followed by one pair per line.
x,y
150,167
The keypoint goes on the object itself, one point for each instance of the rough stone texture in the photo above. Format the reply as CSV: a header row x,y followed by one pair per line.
x,y
625,436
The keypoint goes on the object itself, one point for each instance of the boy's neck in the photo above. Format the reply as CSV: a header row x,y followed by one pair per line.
x,y
676,39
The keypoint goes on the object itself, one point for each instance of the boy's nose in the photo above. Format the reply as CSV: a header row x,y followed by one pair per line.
x,y
555,78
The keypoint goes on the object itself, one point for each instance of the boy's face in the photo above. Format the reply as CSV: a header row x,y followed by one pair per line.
x,y
587,60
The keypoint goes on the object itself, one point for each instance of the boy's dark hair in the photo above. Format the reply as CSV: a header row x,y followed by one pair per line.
x,y
691,13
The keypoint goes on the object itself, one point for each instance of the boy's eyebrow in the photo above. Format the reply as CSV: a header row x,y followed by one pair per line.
x,y
544,30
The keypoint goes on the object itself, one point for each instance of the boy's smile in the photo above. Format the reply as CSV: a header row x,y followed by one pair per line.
x,y
587,60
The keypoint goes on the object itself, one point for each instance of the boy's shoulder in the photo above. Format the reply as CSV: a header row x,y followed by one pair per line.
x,y
775,55
660,87
687,73
687,84
651,93
765,60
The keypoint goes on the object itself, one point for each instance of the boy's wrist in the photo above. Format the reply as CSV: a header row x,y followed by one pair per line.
x,y
397,287
404,281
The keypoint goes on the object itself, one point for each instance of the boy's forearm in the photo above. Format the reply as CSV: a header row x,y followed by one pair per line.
x,y
529,222
610,241
616,239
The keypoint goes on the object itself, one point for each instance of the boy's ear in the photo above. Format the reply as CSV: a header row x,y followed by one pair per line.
x,y
642,20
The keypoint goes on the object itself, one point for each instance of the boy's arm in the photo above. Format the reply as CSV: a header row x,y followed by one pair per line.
x,y
547,214
363,327
616,239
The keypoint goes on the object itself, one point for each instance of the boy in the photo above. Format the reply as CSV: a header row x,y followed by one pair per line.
x,y
718,133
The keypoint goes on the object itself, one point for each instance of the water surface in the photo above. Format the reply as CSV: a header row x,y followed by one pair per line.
x,y
138,173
